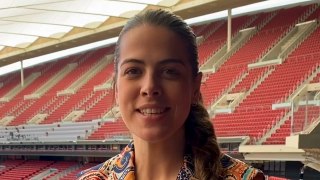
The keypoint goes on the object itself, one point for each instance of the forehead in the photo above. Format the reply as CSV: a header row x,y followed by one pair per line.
x,y
152,42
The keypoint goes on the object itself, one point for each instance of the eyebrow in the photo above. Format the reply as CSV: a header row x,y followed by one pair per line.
x,y
163,62
169,61
126,61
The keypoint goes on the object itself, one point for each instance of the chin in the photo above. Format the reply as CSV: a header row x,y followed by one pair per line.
x,y
152,136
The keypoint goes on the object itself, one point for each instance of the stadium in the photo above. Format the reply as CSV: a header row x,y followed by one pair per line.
x,y
261,83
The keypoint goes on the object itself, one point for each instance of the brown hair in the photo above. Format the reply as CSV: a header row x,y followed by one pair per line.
x,y
200,136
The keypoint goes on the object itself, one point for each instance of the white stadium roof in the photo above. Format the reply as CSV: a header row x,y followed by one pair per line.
x,y
22,22
31,28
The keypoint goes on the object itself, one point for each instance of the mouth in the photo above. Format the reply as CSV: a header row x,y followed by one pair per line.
x,y
152,111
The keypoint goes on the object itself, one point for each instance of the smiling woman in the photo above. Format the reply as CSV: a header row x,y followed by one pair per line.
x,y
157,87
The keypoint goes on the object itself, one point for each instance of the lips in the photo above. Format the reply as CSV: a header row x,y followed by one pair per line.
x,y
148,110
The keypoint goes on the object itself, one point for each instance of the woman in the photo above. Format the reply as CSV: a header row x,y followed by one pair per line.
x,y
157,87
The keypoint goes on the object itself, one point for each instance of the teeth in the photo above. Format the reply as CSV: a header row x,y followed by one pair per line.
x,y
152,111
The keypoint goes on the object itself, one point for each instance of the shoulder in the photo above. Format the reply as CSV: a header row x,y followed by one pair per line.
x,y
120,165
234,169
98,172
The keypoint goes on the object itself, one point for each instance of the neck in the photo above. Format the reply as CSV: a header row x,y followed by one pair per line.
x,y
159,160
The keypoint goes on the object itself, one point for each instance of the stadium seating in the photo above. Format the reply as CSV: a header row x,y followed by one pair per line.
x,y
236,65
253,116
111,129
272,26
25,170
69,104
215,35
73,174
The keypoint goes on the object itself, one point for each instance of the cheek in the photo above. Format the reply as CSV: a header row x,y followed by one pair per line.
x,y
126,92
180,94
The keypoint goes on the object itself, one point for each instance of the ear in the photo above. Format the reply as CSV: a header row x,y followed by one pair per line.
x,y
197,85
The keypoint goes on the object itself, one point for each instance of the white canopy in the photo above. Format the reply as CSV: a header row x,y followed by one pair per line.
x,y
22,22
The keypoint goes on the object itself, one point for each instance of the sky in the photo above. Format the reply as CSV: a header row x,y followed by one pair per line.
x,y
270,4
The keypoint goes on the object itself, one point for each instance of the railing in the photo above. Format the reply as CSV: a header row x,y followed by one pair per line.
x,y
306,113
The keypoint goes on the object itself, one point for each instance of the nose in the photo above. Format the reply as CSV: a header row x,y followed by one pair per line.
x,y
150,86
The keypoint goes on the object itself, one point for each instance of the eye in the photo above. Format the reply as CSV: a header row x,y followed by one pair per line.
x,y
132,72
171,72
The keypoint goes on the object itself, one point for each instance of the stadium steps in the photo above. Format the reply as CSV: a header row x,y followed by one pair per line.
x,y
9,81
272,128
44,174
215,61
277,134
16,90
6,120
206,49
211,94
258,45
61,173
290,41
219,82
52,106
86,76
73,174
256,108
212,28
105,76
21,105
56,170
25,170
217,101
73,116
114,112
253,78
23,114
17,112
95,95
33,75
37,118
291,17
49,98
294,97
215,41
98,102
288,116
51,82
98,106
63,106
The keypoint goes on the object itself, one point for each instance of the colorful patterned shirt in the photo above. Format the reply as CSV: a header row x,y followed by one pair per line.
x,y
121,167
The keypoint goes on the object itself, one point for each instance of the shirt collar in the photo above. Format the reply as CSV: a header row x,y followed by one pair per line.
x,y
124,165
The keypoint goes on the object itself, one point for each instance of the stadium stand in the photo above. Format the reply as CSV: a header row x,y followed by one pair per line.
x,y
68,105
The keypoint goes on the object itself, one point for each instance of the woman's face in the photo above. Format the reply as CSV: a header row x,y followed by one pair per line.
x,y
154,85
